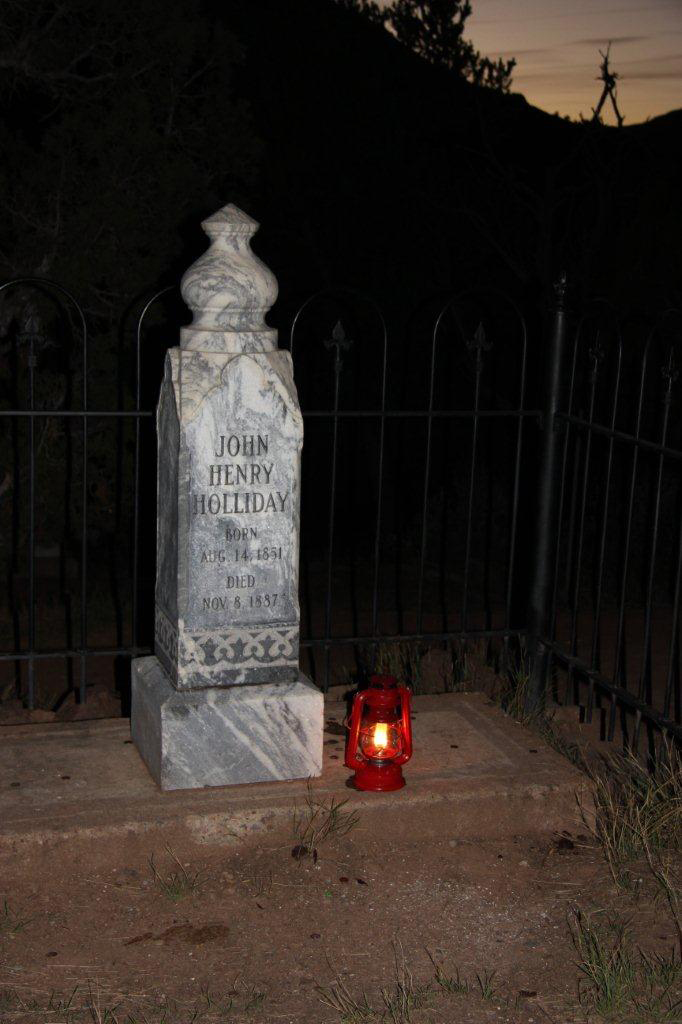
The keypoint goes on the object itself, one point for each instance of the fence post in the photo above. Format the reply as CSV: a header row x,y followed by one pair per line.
x,y
544,561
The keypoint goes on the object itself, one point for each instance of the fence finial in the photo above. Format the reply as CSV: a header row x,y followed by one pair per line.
x,y
560,289
228,289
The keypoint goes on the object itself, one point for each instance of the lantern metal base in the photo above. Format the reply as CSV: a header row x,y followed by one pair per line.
x,y
378,778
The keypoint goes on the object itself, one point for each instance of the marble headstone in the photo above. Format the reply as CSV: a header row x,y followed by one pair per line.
x,y
230,435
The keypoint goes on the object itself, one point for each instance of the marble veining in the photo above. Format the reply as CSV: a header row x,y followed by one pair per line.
x,y
228,289
223,737
227,555
205,395
223,701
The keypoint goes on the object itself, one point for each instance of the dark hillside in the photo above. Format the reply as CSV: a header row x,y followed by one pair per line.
x,y
383,171
365,164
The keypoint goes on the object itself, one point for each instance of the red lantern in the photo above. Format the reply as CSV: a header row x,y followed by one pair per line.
x,y
380,735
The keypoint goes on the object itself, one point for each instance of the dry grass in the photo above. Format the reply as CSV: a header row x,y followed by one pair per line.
x,y
513,693
351,1009
88,1004
402,660
468,658
10,921
637,822
485,984
621,984
450,984
176,883
638,812
398,1001
664,866
459,671
406,1001
318,820
404,995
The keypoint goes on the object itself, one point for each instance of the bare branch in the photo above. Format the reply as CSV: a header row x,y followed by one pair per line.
x,y
609,78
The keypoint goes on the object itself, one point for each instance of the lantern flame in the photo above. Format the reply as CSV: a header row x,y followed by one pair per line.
x,y
381,735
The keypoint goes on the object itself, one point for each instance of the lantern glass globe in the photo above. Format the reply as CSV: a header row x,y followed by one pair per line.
x,y
381,741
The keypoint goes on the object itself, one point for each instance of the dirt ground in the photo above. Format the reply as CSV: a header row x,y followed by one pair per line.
x,y
252,933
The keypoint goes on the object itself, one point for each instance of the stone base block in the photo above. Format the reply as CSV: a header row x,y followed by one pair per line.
x,y
222,737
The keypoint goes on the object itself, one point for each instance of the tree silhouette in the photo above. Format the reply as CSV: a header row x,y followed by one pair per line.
x,y
434,30
104,106
609,78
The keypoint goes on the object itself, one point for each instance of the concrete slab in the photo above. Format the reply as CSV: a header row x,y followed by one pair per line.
x,y
475,773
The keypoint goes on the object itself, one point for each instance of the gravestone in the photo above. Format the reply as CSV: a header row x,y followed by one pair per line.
x,y
223,700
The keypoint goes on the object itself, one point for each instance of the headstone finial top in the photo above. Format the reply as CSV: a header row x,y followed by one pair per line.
x,y
228,289
229,220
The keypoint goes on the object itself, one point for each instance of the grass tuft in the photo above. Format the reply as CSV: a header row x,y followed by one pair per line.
x,y
254,999
452,984
10,922
398,1000
403,995
177,883
100,1014
621,984
515,681
638,812
85,1005
664,868
485,984
605,961
317,820
400,659
351,1010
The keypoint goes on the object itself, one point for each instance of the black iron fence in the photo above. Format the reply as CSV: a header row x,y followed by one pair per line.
x,y
404,458
450,493
606,603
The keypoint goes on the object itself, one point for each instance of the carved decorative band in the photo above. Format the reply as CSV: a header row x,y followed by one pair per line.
x,y
262,646
241,648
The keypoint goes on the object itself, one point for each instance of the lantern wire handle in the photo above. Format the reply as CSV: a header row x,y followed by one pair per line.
x,y
355,720
405,703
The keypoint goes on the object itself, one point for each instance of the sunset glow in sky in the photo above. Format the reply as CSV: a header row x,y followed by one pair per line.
x,y
556,44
